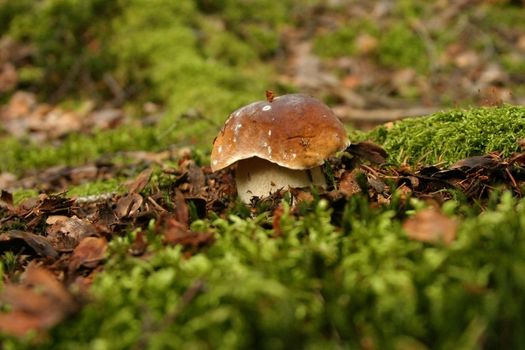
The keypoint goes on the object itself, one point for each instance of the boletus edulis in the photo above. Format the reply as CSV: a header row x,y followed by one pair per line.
x,y
278,143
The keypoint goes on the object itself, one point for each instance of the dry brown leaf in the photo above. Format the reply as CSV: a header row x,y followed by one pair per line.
x,y
196,178
16,240
369,151
181,209
65,233
140,181
348,184
37,304
430,225
89,253
8,77
128,205
6,200
276,221
176,232
139,245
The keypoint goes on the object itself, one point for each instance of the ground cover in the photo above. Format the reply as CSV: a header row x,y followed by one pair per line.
x,y
115,234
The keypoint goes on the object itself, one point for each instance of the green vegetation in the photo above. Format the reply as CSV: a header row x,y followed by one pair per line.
x,y
96,187
316,286
450,136
341,42
401,47
346,277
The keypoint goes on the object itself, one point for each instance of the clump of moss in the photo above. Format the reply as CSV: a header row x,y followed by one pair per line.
x,y
453,135
314,286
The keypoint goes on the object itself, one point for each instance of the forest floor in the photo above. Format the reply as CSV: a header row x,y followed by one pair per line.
x,y
116,234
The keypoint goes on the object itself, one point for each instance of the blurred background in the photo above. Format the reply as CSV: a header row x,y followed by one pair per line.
x,y
80,79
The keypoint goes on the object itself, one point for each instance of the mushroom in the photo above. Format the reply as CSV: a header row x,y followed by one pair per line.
x,y
278,143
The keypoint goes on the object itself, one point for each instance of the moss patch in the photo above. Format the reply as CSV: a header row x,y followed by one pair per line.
x,y
450,136
316,286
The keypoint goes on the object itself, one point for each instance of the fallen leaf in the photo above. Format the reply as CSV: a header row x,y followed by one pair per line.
x,y
6,200
65,233
89,253
276,221
196,179
128,205
139,245
430,225
348,184
369,151
37,304
176,232
486,162
181,209
16,240
8,77
140,181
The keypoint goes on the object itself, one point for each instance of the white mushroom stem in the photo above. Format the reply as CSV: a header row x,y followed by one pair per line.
x,y
259,177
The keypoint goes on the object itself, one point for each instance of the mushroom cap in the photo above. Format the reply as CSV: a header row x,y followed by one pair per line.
x,y
295,131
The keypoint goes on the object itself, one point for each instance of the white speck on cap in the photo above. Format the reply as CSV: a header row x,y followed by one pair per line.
x,y
269,132
267,108
220,149
269,150
215,162
294,155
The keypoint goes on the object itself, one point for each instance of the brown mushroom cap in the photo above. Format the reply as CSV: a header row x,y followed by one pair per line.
x,y
295,131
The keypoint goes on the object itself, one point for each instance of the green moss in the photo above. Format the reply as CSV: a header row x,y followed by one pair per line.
x,y
401,47
22,155
514,63
341,41
450,136
23,194
9,10
70,39
314,286
96,187
503,15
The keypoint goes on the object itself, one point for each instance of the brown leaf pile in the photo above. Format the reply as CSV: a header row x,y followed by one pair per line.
x,y
24,116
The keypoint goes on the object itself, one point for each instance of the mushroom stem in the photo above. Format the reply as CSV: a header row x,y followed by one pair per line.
x,y
259,177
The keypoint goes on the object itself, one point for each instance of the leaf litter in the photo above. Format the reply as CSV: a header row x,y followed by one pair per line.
x,y
63,242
